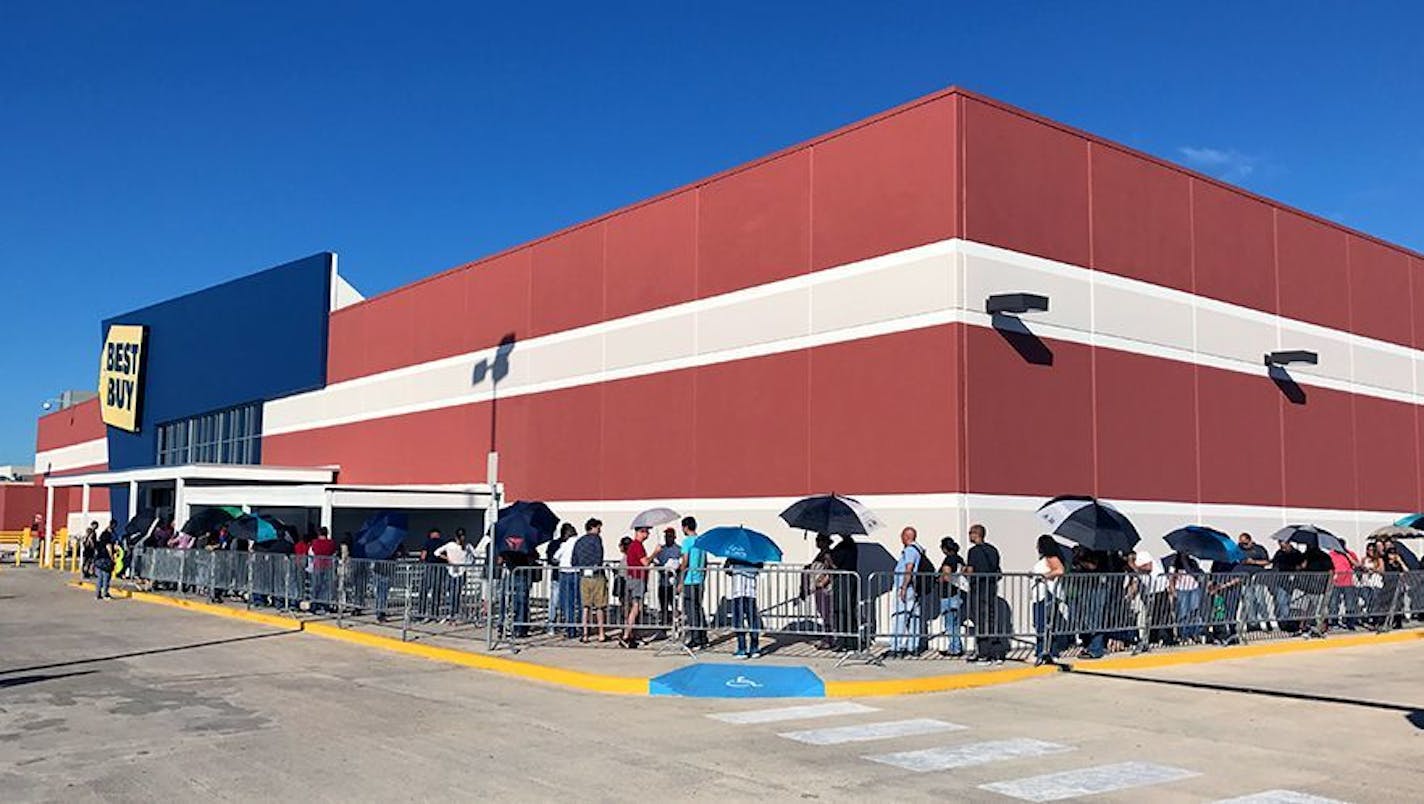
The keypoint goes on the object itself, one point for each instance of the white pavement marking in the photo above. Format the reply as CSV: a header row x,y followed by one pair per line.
x,y
1088,781
1280,797
963,756
871,731
793,713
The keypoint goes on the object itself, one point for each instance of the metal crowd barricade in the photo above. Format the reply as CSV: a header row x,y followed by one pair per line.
x,y
916,613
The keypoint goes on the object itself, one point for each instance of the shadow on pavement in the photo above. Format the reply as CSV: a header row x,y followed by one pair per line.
x,y
151,652
19,681
1416,715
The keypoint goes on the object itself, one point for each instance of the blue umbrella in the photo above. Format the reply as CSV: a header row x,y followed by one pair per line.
x,y
1415,521
379,537
1199,541
739,543
255,528
524,526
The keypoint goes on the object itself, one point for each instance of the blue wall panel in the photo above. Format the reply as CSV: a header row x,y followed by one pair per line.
x,y
255,338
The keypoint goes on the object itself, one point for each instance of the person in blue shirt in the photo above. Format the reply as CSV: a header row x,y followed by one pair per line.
x,y
693,568
908,618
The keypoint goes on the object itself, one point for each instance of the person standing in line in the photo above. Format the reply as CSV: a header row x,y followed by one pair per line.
x,y
86,550
908,620
1151,585
322,550
1257,611
593,585
816,584
1047,570
1285,566
430,582
746,619
1371,586
1315,583
103,564
845,601
1344,601
551,558
693,566
638,561
667,557
458,555
951,596
568,587
983,568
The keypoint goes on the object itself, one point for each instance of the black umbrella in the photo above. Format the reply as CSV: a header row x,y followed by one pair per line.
x,y
1310,536
831,513
1089,522
1411,561
143,521
257,528
524,526
208,520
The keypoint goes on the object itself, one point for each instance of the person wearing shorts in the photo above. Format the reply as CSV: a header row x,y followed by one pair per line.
x,y
637,585
593,583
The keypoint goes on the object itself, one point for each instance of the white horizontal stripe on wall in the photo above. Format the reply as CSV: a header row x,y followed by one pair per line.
x,y
1009,519
73,456
927,286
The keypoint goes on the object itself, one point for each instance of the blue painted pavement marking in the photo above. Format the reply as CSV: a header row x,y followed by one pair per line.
x,y
739,681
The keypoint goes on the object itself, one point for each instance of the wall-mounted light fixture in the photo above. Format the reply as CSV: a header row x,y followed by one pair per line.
x,y
1015,303
1292,356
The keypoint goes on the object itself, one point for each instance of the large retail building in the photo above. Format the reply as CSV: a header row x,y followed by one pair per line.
x,y
813,321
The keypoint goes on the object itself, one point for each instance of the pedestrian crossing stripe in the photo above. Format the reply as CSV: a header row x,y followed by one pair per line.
x,y
1280,797
785,713
964,756
1088,781
864,732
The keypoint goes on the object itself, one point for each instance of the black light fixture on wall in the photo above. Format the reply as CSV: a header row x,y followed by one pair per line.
x,y
1286,358
1015,303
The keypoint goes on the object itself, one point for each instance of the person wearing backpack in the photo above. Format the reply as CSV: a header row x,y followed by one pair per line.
x,y
914,575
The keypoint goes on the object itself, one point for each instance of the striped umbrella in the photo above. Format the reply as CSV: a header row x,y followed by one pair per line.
x,y
1090,522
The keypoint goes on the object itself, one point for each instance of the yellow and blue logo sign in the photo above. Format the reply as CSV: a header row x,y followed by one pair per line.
x,y
121,375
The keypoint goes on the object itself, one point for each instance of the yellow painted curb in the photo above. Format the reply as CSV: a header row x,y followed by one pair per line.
x,y
1205,655
945,683
594,682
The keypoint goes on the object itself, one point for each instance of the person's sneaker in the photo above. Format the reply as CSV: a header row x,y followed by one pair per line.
x,y
741,654
996,662
756,654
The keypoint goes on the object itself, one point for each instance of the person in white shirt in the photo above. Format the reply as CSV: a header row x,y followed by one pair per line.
x,y
1151,586
458,555
569,603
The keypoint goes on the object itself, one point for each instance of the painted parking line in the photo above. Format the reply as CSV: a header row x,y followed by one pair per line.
x,y
1280,797
871,731
784,713
964,756
1088,781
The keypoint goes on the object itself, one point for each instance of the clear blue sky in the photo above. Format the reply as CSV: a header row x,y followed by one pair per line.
x,y
148,149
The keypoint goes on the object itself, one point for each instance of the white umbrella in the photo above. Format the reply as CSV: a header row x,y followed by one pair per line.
x,y
653,517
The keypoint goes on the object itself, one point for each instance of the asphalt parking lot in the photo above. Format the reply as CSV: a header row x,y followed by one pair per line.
x,y
123,701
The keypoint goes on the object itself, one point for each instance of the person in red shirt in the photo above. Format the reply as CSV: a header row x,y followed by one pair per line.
x,y
637,559
323,569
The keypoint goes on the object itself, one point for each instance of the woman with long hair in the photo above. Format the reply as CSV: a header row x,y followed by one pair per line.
x,y
1046,570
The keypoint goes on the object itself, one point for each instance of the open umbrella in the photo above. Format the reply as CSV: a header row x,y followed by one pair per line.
x,y
1411,561
740,543
1310,536
1089,522
1395,532
208,520
523,526
653,517
380,535
1414,521
1206,543
831,514
255,528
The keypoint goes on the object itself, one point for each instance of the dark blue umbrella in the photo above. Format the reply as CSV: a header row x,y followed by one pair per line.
x,y
523,526
1202,542
380,536
740,543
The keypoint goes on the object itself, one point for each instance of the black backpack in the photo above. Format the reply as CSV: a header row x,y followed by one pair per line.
x,y
926,576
